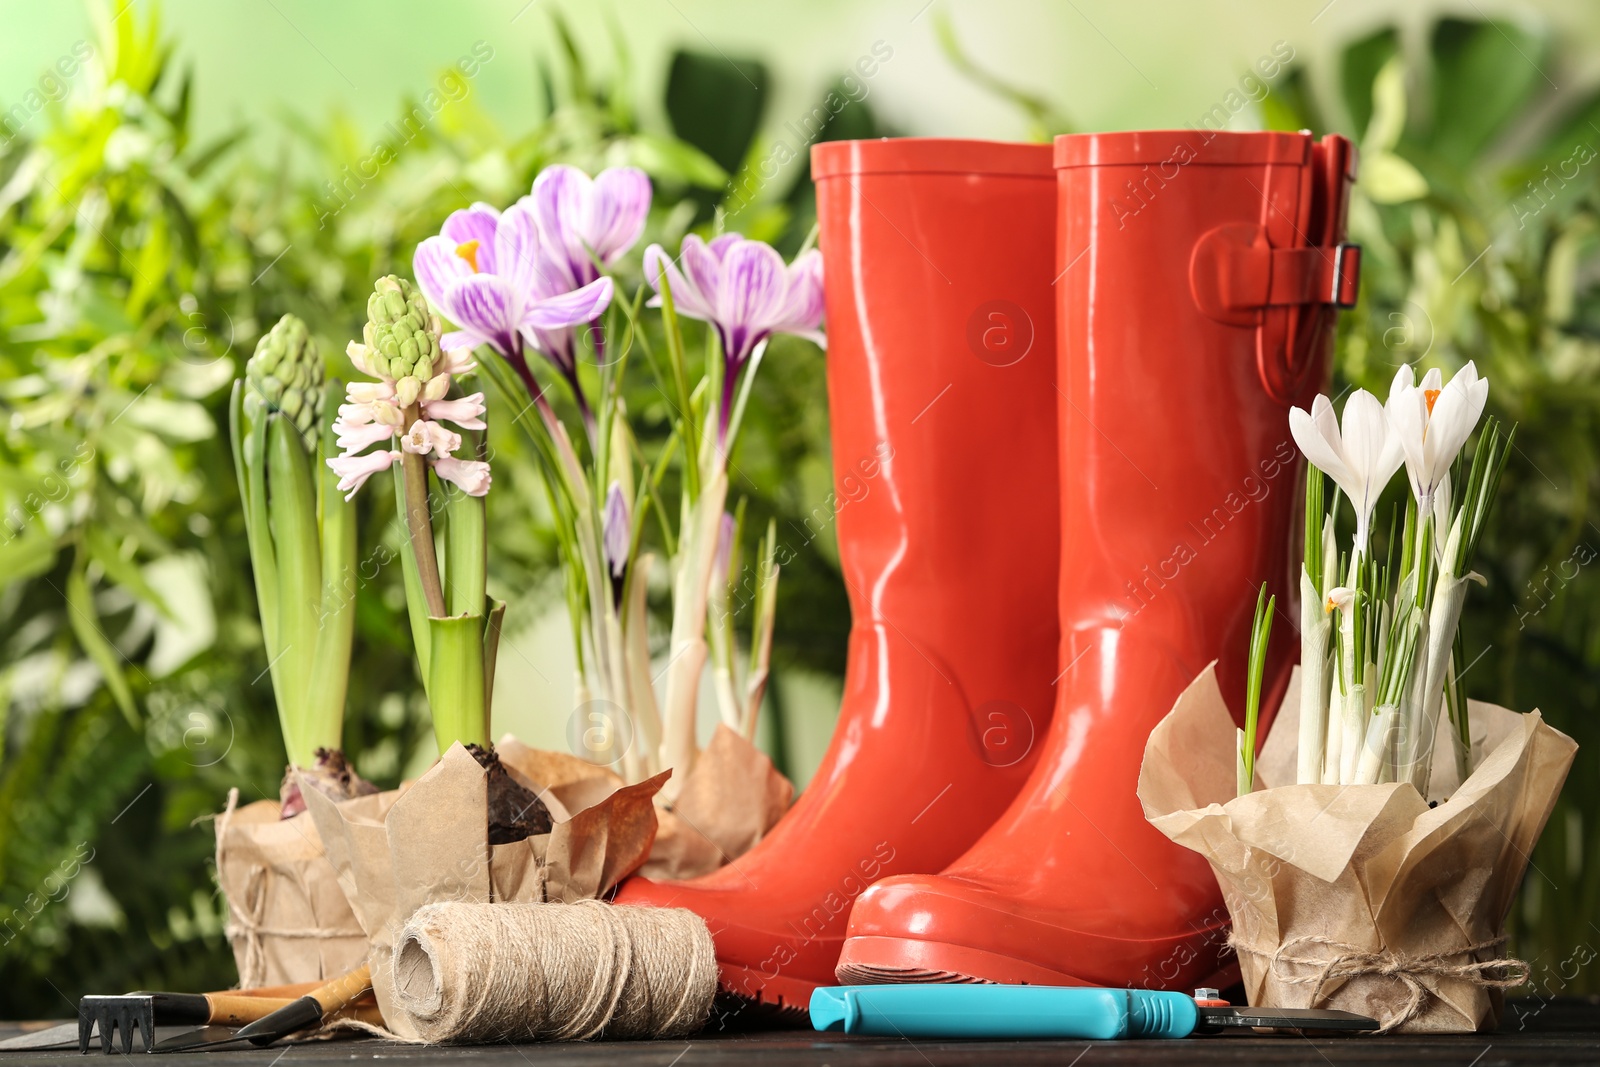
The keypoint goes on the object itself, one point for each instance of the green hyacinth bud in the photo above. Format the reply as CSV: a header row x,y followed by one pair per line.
x,y
401,333
285,375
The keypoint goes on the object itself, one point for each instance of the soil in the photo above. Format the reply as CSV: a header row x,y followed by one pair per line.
x,y
515,811
331,775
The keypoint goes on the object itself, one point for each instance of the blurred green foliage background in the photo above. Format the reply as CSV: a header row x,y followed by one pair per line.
x,y
147,237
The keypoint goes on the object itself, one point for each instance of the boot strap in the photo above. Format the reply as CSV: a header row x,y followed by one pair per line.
x,y
1263,277
1252,274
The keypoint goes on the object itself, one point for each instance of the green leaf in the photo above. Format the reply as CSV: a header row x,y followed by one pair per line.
x,y
493,622
715,104
250,465
1388,179
101,652
1567,151
1359,65
202,160
124,572
1290,104
456,673
150,269
674,161
330,667
27,554
1044,121
1388,108
292,516
1485,75
176,420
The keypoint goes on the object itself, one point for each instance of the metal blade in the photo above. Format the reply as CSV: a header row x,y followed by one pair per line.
x,y
1285,1019
64,1036
204,1038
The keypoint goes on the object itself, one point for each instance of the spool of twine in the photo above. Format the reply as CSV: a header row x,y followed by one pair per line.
x,y
480,973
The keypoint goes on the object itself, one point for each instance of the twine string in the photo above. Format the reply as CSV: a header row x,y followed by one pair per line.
x,y
1352,961
478,973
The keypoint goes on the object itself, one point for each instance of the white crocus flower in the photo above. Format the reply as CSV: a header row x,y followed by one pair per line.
x,y
1361,455
1339,598
1431,424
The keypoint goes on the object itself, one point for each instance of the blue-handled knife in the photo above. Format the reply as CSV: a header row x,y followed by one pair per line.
x,y
1030,1011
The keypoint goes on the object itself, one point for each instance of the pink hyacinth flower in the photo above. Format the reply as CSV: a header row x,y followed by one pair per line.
x,y
353,471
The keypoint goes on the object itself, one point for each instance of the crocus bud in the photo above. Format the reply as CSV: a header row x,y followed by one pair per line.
x,y
618,531
724,558
402,335
285,375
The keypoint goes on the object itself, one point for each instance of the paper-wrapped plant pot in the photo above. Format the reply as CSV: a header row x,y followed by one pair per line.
x,y
1362,897
288,918
729,800
429,842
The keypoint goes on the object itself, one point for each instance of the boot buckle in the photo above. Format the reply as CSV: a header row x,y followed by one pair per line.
x,y
1235,273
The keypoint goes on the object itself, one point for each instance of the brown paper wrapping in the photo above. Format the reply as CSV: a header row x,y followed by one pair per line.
x,y
429,842
1362,898
288,919
730,799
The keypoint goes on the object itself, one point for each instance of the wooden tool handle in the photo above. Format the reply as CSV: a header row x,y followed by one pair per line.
x,y
232,1009
276,992
284,993
341,991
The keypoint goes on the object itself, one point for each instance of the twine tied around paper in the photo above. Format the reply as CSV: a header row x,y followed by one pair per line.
x,y
478,973
247,921
1351,961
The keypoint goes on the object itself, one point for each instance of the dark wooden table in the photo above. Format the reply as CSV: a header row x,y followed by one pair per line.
x,y
1550,1032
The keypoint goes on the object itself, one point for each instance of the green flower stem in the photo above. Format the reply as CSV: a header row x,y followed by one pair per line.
x,y
416,600
562,509
419,523
456,693
1260,635
677,363
765,611
466,547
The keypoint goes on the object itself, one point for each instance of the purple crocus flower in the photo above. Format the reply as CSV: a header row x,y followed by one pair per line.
x,y
585,219
617,534
745,291
724,557
489,274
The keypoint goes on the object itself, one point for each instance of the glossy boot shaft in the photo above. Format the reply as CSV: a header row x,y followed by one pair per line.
x,y
941,372
1199,280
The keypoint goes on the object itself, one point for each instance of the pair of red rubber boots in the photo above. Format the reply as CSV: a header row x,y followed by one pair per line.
x,y
1059,385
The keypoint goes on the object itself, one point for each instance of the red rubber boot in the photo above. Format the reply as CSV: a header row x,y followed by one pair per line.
x,y
1199,281
941,372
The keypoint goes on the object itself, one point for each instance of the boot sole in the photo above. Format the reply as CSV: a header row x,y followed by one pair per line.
x,y
870,960
749,999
